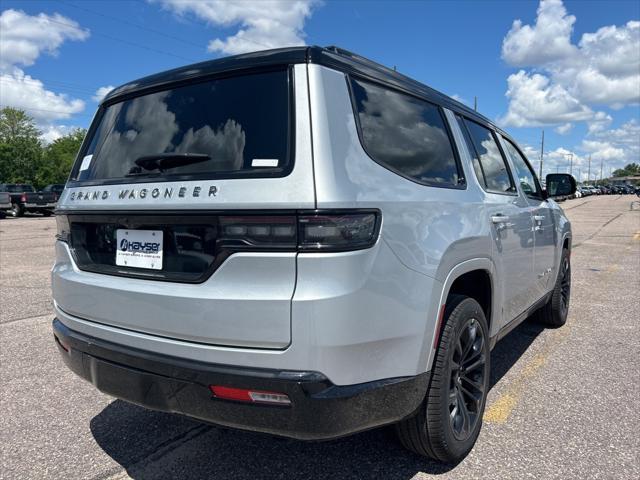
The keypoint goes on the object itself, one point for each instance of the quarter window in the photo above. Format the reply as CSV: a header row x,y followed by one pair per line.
x,y
523,172
495,174
405,134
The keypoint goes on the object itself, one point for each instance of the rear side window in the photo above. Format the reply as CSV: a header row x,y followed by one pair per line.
x,y
523,171
405,135
491,167
221,128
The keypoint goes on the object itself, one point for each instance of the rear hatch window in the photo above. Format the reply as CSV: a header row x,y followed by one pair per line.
x,y
228,127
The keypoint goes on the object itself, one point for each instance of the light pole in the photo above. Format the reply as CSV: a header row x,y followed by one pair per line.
x,y
541,154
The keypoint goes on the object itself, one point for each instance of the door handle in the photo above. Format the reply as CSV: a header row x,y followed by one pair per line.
x,y
499,219
501,222
538,218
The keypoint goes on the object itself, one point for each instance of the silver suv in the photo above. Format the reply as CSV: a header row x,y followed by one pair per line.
x,y
305,243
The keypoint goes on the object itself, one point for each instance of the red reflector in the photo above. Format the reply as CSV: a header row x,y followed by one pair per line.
x,y
250,396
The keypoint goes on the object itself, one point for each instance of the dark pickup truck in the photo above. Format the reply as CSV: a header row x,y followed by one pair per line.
x,y
24,198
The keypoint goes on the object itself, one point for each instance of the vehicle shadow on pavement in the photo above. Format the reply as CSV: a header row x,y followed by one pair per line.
x,y
509,350
150,444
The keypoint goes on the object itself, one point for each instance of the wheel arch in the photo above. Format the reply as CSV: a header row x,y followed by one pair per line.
x,y
462,279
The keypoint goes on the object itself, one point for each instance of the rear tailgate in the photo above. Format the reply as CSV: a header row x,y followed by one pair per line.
x,y
201,290
40,198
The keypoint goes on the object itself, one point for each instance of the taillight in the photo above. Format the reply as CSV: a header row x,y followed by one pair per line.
x,y
23,198
305,232
268,231
349,231
64,229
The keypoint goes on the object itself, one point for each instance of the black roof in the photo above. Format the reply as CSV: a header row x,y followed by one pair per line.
x,y
332,57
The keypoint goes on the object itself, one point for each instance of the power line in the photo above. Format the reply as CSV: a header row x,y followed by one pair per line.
x,y
17,81
127,42
132,24
46,110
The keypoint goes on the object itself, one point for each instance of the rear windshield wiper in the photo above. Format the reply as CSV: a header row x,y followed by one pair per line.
x,y
166,161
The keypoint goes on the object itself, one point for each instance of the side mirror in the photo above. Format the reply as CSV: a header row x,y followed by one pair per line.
x,y
560,185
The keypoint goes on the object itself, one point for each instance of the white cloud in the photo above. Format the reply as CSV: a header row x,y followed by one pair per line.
x,y
534,100
102,92
264,24
622,142
19,90
549,40
603,68
25,37
50,133
602,150
564,128
599,122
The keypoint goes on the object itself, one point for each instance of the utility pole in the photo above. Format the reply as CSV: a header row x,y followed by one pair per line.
x,y
571,164
541,155
570,155
589,174
601,160
475,103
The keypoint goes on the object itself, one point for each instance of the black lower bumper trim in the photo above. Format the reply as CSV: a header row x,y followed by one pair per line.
x,y
319,409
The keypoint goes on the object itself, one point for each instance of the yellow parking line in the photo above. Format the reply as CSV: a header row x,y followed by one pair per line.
x,y
500,410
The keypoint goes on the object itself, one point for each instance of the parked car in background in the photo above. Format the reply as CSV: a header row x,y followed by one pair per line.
x,y
5,203
56,188
582,192
24,198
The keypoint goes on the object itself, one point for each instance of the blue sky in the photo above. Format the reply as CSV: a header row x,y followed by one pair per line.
x,y
571,68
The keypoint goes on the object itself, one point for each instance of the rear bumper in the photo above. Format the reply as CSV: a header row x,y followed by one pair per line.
x,y
39,206
319,409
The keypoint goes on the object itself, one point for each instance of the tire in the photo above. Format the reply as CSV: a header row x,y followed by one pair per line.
x,y
17,210
554,313
437,429
46,213
2,214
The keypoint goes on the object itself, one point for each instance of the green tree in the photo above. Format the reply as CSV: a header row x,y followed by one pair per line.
x,y
628,170
58,158
20,147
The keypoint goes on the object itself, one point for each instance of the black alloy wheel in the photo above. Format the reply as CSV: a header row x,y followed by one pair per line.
x,y
448,423
555,312
467,382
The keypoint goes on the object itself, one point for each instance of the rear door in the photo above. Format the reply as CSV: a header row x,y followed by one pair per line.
x,y
205,173
509,216
544,228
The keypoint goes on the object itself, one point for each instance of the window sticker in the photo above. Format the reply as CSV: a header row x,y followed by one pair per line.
x,y
264,162
86,162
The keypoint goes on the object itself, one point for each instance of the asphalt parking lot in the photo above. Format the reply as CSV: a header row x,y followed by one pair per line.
x,y
564,403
